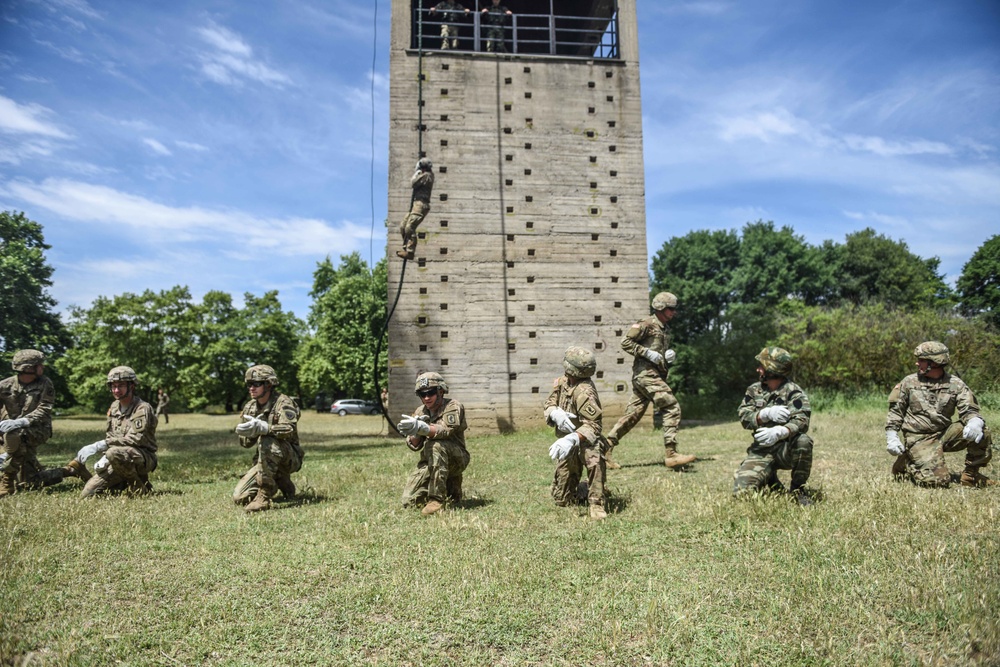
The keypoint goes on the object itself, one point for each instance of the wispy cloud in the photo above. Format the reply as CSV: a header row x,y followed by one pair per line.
x,y
27,119
191,146
230,60
251,235
157,147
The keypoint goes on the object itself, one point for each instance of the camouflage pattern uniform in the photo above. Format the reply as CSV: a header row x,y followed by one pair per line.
x,y
496,16
579,399
649,383
922,412
422,183
759,468
162,401
131,439
278,454
443,456
449,31
32,401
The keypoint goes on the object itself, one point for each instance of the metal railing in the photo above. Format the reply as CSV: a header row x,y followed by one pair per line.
x,y
591,37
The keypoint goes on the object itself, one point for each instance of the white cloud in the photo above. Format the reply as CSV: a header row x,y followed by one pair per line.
x,y
250,235
27,119
191,146
157,147
880,146
231,62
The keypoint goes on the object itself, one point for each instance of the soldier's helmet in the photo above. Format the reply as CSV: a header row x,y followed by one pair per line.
x,y
26,360
579,362
664,300
261,373
424,163
430,381
775,361
122,374
934,352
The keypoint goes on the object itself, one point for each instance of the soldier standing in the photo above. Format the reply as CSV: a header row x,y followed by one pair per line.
x,y
129,444
270,424
496,16
449,30
422,183
777,411
436,430
925,403
162,401
26,401
575,410
648,340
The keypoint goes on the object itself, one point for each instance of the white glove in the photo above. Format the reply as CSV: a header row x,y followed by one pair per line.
x,y
8,425
562,420
974,429
413,426
3,459
87,451
769,435
561,448
252,426
669,356
778,414
654,357
102,464
892,443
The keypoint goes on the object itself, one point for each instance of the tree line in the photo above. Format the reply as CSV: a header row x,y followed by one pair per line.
x,y
851,313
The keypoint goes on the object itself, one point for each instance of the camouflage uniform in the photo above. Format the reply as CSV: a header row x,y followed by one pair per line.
x,y
131,440
162,401
443,457
32,401
496,16
921,409
449,31
422,183
759,468
649,383
278,454
579,399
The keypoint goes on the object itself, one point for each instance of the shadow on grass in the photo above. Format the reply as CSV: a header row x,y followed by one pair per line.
x,y
472,503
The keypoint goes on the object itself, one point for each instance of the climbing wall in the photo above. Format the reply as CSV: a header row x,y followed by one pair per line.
x,y
536,236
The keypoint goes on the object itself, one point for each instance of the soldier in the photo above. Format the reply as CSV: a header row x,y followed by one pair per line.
x,y
575,410
129,445
495,16
648,340
437,431
26,401
922,407
450,10
270,424
162,401
777,411
422,183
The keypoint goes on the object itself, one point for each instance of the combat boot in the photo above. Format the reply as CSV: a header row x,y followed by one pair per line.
x,y
802,497
672,459
971,477
431,508
405,254
899,468
608,462
260,503
597,512
286,486
76,469
8,485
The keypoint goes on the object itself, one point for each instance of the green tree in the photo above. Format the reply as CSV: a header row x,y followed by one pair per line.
x,y
214,374
873,267
776,265
152,332
26,307
979,285
345,320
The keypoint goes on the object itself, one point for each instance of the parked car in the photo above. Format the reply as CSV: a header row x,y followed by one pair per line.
x,y
354,406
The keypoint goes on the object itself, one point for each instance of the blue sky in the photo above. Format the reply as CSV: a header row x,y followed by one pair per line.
x,y
228,145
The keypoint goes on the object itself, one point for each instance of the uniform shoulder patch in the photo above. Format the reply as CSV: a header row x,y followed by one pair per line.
x,y
797,403
138,423
451,419
589,410
290,414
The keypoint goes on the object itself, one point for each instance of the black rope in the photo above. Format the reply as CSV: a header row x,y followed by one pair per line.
x,y
420,150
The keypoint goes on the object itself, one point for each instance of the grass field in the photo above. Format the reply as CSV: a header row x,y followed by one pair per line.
x,y
876,573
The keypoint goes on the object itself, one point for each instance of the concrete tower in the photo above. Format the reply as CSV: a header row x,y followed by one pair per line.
x,y
536,238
